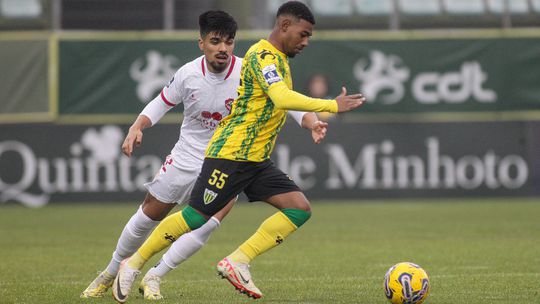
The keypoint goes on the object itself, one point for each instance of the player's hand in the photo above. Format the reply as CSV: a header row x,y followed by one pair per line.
x,y
133,139
318,131
349,102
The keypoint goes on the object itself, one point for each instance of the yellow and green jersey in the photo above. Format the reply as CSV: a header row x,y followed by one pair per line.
x,y
250,131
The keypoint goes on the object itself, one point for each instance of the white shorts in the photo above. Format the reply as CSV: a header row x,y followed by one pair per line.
x,y
172,185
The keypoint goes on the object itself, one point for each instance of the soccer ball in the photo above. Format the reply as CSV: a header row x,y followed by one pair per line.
x,y
406,283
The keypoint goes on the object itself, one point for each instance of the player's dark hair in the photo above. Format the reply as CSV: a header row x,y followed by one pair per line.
x,y
296,9
217,22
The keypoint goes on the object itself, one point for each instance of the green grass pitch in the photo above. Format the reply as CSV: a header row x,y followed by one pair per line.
x,y
475,251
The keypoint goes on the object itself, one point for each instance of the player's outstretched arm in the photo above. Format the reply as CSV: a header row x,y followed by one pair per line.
x,y
349,102
135,134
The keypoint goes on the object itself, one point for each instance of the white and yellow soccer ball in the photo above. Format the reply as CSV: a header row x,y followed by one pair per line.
x,y
406,283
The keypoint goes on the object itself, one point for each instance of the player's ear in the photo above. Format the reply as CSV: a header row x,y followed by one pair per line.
x,y
201,42
284,23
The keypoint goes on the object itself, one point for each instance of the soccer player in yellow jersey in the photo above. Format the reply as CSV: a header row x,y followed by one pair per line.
x,y
238,155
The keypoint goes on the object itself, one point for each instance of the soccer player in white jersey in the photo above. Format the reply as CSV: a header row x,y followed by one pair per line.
x,y
207,87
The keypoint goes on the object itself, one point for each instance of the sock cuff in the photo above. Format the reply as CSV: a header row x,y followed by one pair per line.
x,y
213,218
145,219
140,224
167,263
297,216
193,218
116,257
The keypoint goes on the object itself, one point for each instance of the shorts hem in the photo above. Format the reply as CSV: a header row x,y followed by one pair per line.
x,y
278,191
158,197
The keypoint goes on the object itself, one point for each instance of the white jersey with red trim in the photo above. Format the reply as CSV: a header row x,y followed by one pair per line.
x,y
207,98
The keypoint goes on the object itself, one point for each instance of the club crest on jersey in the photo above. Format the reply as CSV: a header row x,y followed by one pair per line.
x,y
270,74
228,104
209,196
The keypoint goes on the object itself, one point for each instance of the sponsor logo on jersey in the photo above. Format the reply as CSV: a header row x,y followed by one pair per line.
x,y
209,196
270,74
265,53
215,116
170,82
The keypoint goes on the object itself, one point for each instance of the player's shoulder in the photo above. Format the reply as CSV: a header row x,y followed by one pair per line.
x,y
190,71
262,52
237,61
194,67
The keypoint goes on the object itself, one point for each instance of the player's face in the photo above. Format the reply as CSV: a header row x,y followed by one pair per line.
x,y
217,50
297,36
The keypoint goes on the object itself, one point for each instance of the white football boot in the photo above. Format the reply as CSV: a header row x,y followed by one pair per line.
x,y
149,287
123,282
238,275
99,286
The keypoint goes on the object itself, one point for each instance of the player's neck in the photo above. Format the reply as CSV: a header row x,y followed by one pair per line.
x,y
273,39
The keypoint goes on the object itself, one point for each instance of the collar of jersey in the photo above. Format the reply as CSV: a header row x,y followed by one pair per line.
x,y
267,44
231,67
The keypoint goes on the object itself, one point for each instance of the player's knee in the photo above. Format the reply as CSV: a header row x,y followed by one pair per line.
x,y
297,216
305,207
300,202
155,209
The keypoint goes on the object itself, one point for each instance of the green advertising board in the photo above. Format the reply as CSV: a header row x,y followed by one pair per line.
x,y
430,75
421,75
24,81
118,77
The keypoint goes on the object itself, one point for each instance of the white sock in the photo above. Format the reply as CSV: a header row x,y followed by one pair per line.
x,y
134,234
184,247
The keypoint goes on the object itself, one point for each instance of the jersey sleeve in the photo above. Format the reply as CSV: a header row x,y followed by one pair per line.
x,y
172,94
264,66
287,99
155,110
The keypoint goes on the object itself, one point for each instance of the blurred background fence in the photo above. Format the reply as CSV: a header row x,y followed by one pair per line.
x,y
258,14
453,95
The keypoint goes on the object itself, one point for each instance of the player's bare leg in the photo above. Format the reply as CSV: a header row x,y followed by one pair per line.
x,y
155,209
294,211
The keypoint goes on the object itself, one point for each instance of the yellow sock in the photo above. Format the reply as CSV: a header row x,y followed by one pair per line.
x,y
271,233
239,256
136,261
170,229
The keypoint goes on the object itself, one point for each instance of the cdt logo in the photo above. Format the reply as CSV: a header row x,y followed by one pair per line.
x,y
383,79
154,75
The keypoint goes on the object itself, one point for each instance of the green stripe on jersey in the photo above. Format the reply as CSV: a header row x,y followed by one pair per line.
x,y
254,130
238,115
270,144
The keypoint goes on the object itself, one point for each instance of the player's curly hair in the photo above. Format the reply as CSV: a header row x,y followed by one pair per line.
x,y
297,9
217,22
